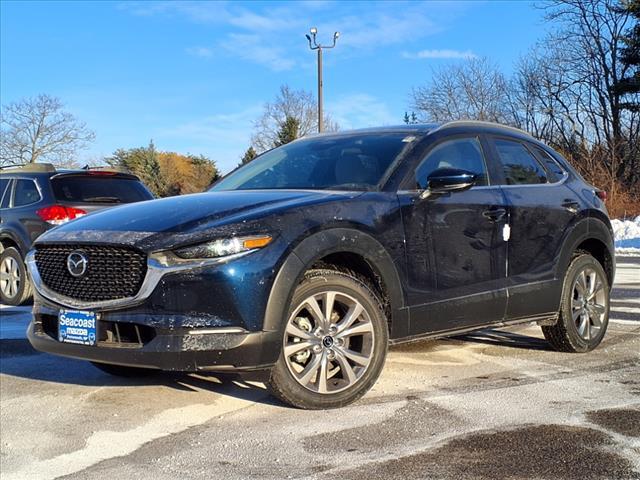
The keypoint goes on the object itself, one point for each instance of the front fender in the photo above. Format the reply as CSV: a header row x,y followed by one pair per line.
x,y
319,245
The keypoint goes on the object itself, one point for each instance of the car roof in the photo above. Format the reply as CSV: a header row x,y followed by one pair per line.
x,y
457,126
407,129
28,168
48,170
484,127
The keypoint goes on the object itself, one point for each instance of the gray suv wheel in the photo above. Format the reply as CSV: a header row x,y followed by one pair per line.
x,y
15,288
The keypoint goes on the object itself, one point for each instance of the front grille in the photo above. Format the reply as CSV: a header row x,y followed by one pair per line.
x,y
112,272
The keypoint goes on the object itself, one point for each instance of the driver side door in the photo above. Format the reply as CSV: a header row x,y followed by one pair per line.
x,y
456,254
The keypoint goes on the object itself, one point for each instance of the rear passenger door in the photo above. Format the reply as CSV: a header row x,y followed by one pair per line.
x,y
540,208
24,203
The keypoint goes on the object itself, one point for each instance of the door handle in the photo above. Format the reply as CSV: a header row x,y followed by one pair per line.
x,y
571,206
494,214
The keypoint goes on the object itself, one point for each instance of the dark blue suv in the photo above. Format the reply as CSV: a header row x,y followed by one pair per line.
x,y
307,262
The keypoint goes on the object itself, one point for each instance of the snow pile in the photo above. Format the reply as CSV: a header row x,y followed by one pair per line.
x,y
627,235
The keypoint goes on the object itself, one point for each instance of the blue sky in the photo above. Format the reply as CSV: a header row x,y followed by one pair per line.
x,y
193,76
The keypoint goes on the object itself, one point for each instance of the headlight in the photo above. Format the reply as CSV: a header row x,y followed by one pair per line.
x,y
223,247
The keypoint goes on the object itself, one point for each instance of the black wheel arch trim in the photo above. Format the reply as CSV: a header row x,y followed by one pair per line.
x,y
15,239
319,245
586,229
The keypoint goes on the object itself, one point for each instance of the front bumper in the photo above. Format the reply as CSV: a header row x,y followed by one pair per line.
x,y
210,351
207,316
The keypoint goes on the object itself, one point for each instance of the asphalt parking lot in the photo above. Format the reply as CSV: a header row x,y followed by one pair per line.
x,y
494,404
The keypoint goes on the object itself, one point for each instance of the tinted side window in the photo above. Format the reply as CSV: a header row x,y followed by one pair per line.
x,y
25,193
4,183
554,170
518,165
462,153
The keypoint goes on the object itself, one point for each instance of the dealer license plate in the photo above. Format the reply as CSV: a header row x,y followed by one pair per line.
x,y
77,327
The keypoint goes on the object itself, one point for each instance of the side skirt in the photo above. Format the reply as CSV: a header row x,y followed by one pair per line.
x,y
544,319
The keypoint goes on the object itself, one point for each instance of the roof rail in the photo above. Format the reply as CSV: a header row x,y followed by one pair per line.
x,y
29,167
482,123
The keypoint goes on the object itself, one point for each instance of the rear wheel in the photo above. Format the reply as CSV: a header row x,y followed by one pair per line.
x,y
15,288
122,371
334,342
584,308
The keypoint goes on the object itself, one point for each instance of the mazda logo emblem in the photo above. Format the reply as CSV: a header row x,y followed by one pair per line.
x,y
327,341
77,264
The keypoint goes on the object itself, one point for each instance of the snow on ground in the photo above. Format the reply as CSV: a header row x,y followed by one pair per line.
x,y
627,235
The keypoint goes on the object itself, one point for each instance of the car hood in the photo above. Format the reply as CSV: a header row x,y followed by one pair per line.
x,y
186,217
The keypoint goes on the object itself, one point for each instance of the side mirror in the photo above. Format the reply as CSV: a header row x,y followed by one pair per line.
x,y
445,180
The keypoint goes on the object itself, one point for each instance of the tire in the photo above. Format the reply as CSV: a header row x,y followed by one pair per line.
x,y
345,355
122,371
581,326
15,286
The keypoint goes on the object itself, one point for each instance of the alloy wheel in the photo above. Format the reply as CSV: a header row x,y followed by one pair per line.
x,y
329,342
588,303
9,277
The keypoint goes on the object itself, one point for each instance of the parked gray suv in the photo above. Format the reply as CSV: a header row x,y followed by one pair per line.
x,y
37,197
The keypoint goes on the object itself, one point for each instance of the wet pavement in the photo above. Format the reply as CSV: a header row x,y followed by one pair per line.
x,y
494,404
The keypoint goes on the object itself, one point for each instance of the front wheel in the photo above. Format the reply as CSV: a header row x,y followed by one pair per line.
x,y
334,342
584,308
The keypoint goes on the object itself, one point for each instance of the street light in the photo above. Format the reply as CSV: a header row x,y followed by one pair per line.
x,y
314,45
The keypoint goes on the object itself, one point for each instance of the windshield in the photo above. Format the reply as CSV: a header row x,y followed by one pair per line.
x,y
349,162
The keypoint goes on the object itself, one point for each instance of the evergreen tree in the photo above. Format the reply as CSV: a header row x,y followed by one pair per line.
x,y
630,85
410,119
142,162
289,131
167,173
249,155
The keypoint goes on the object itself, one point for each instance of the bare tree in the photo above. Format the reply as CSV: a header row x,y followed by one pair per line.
x,y
472,90
298,104
541,101
38,129
563,92
589,41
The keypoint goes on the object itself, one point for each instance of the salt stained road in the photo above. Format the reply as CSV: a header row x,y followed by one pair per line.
x,y
493,404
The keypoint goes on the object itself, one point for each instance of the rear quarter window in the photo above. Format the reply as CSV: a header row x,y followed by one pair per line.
x,y
4,186
25,193
97,189
518,164
554,171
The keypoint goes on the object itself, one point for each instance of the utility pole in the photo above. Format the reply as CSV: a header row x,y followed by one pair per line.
x,y
314,45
